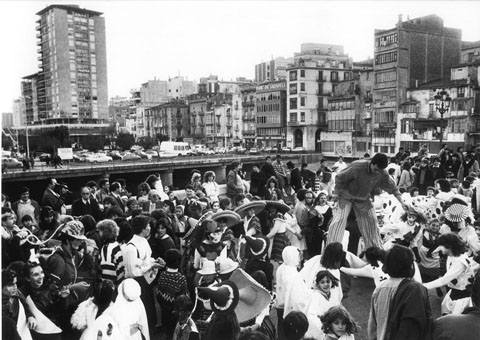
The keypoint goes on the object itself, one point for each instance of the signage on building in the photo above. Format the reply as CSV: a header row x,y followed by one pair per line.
x,y
272,86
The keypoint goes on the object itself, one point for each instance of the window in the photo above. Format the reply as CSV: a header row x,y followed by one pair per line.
x,y
334,76
302,116
385,58
293,103
431,108
386,40
293,75
382,77
328,146
461,92
293,116
302,86
302,73
293,88
302,101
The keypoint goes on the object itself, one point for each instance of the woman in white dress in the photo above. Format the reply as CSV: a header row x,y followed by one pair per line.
x,y
459,276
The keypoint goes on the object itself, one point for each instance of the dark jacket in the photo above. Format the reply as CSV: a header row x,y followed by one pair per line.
x,y
56,202
410,315
268,171
296,179
257,184
79,209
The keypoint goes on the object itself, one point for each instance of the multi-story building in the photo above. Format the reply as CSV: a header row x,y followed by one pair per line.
x,y
349,115
211,119
213,85
237,119
170,119
312,79
275,69
420,122
72,82
249,127
414,52
29,100
271,114
161,91
470,51
7,119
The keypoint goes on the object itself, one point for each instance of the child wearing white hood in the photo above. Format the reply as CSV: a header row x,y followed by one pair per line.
x,y
292,292
129,312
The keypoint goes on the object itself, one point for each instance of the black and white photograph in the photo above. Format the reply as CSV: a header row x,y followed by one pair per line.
x,y
240,170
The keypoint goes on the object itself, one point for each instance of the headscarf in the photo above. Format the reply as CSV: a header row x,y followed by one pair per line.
x,y
290,286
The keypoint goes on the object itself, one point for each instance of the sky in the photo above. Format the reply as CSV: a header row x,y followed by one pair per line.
x,y
162,39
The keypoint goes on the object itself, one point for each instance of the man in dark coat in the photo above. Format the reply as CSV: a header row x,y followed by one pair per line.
x,y
52,198
267,168
86,205
295,177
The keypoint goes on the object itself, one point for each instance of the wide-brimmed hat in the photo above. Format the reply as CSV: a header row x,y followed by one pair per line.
x,y
208,268
253,298
210,226
231,217
223,297
457,212
257,205
241,294
280,206
226,265
74,229
257,246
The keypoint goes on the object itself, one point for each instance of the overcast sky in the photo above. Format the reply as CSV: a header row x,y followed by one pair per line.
x,y
147,39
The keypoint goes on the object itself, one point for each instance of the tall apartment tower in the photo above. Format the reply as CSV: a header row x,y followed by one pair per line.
x,y
414,52
72,82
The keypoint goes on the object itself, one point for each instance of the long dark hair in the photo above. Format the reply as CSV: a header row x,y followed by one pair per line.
x,y
333,256
223,327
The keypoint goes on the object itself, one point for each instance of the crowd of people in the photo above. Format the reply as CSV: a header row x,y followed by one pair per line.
x,y
271,258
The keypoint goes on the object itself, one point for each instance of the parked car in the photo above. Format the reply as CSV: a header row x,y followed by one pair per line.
x,y
131,157
116,155
143,155
43,157
98,158
10,162
254,151
163,154
152,153
286,149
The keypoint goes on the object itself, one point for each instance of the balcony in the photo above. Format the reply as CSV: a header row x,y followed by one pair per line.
x,y
321,79
248,133
248,117
229,124
367,115
201,113
193,114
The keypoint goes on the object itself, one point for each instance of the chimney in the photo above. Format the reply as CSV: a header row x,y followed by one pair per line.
x,y
399,20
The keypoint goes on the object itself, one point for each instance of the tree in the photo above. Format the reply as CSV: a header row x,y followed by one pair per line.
x,y
125,141
147,142
94,143
162,138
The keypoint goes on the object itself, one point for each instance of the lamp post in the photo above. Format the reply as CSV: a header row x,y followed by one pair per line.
x,y
442,104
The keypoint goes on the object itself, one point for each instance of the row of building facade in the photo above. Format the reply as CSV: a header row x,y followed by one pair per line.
x,y
319,99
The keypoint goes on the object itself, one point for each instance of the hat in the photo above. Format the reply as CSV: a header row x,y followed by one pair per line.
x,y
63,185
241,294
253,298
257,246
257,205
457,212
208,268
430,188
295,323
223,298
280,206
74,229
226,265
211,226
231,217
131,289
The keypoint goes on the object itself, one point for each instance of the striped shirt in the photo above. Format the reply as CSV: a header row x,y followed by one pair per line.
x,y
111,263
